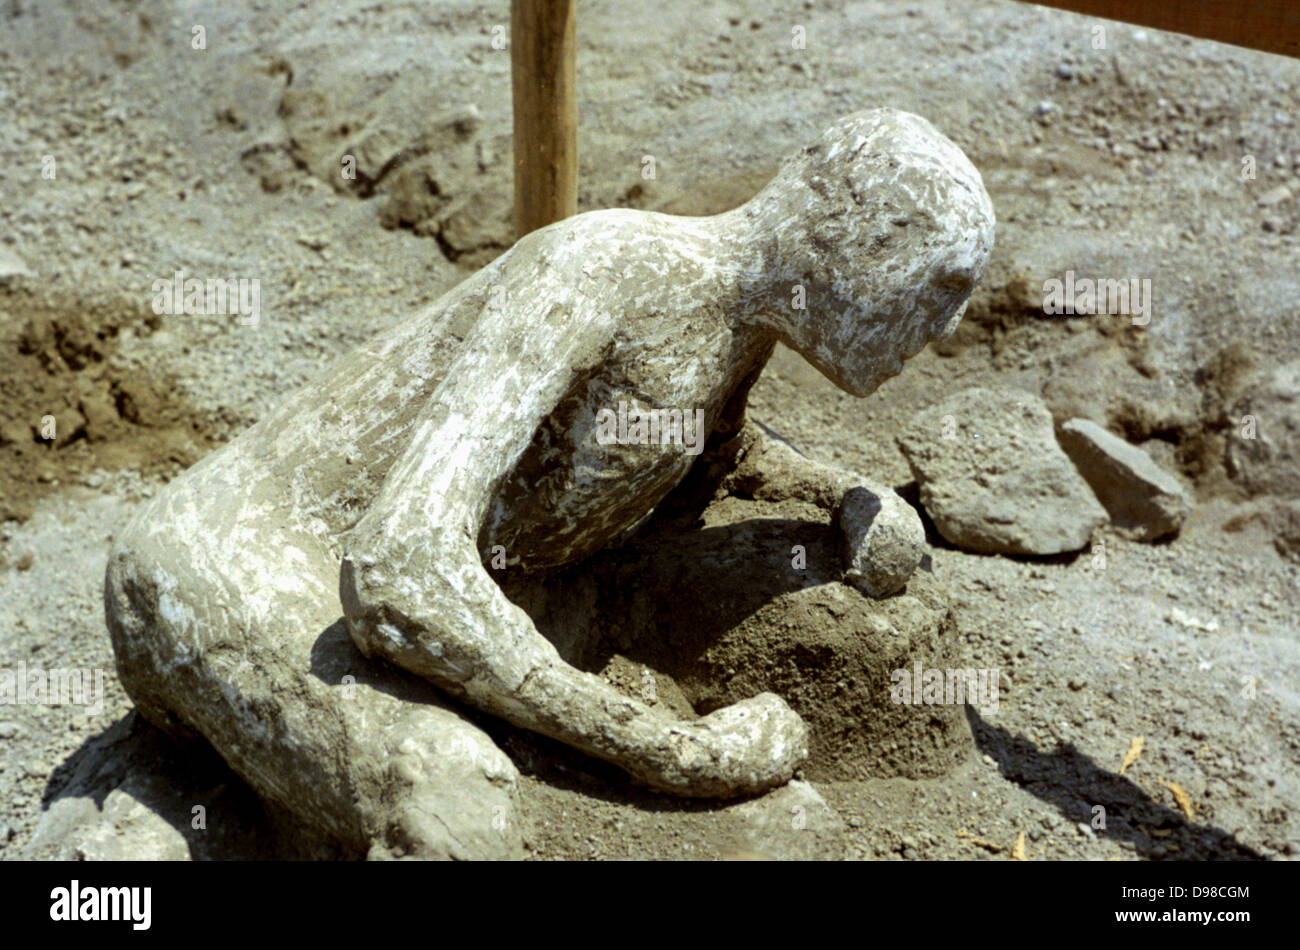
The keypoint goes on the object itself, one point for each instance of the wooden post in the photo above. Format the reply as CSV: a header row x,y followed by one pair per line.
x,y
543,76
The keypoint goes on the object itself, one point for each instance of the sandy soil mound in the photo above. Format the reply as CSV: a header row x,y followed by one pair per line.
x,y
66,409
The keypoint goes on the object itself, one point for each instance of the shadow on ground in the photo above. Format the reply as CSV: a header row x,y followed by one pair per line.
x,y
134,793
1074,784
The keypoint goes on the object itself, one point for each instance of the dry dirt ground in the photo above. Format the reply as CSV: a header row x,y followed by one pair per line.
x,y
1120,161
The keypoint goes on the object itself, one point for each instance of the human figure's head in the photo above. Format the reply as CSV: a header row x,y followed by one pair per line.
x,y
886,226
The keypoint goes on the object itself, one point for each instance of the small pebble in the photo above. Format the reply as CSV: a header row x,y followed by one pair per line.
x,y
1275,196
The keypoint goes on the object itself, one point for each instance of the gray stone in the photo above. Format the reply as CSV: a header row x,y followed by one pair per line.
x,y
1143,500
1275,196
993,478
792,823
74,829
57,830
11,265
882,540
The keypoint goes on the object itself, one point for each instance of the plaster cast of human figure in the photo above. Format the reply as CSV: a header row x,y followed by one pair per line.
x,y
471,428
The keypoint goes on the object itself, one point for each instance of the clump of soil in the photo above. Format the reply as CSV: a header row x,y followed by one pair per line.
x,y
673,620
440,176
66,409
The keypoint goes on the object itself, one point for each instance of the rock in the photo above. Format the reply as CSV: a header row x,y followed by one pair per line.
x,y
126,830
56,832
1144,501
1275,196
271,165
993,478
1264,441
792,823
12,266
881,540
1183,618
473,222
